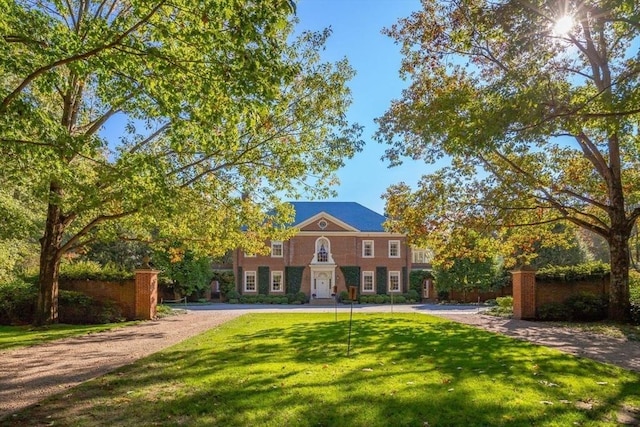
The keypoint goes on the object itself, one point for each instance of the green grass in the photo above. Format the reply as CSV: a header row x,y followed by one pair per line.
x,y
12,337
292,370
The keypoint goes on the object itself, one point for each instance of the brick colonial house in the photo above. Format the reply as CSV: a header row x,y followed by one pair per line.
x,y
339,244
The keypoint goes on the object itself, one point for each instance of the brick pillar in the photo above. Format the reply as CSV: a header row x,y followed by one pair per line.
x,y
146,294
524,293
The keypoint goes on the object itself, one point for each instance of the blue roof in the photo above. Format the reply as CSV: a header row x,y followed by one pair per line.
x,y
352,213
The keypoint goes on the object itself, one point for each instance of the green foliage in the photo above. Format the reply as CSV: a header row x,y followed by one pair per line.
x,y
416,280
125,254
634,286
586,271
293,279
78,308
580,307
503,307
343,296
351,275
239,279
381,280
299,297
466,274
227,281
184,271
17,302
225,112
518,86
553,311
505,302
264,280
91,270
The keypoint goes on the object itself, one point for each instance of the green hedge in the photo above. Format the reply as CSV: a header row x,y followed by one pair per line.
x,y
586,271
417,278
293,279
263,280
381,280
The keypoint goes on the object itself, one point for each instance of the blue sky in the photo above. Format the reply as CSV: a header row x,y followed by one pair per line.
x,y
357,26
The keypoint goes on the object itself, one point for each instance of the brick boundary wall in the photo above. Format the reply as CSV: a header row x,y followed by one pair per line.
x,y
138,298
529,295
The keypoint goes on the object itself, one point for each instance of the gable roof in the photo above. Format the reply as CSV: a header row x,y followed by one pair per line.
x,y
351,213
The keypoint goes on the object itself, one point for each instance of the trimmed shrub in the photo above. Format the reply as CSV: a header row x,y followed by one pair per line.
x,y
379,299
363,299
400,299
505,302
413,295
233,294
554,311
344,296
78,308
586,307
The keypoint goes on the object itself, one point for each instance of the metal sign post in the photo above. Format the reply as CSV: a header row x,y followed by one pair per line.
x,y
352,296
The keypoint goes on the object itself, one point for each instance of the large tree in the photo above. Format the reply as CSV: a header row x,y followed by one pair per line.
x,y
536,106
155,120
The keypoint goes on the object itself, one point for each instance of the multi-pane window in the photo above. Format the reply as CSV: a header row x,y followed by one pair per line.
x,y
394,249
322,250
276,249
276,281
367,281
250,281
367,248
394,281
421,256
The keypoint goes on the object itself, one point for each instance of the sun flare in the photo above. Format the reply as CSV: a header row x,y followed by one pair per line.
x,y
563,25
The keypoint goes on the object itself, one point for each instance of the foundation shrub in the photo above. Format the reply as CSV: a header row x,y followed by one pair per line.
x,y
553,311
586,307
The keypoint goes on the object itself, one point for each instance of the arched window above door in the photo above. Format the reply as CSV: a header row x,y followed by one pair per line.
x,y
322,253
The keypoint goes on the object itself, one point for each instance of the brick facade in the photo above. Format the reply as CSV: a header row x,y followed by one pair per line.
x,y
344,245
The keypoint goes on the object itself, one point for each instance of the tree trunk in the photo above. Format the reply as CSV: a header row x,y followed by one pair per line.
x,y
50,254
619,287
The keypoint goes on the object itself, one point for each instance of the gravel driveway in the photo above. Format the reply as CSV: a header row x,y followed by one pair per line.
x,y
30,374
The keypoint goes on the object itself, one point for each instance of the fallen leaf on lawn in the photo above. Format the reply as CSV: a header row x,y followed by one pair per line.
x,y
601,383
546,402
367,370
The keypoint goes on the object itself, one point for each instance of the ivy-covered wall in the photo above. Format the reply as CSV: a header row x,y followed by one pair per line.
x,y
381,280
405,280
351,276
239,279
293,279
263,280
417,278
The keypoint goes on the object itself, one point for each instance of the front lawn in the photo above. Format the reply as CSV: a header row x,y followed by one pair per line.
x,y
21,336
404,370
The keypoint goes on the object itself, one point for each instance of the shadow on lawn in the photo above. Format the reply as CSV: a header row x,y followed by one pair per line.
x,y
300,375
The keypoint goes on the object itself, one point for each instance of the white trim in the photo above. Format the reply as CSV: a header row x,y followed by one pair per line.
x,y
373,249
329,260
277,242
255,281
273,274
350,233
373,282
394,273
389,248
315,271
327,217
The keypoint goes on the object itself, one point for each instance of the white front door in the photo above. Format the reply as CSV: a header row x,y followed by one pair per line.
x,y
322,285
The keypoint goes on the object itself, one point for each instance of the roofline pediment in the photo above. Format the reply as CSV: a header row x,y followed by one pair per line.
x,y
323,214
